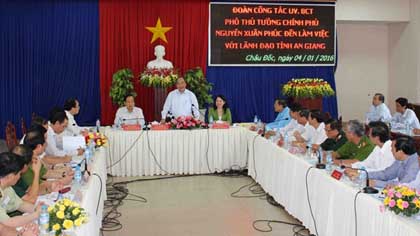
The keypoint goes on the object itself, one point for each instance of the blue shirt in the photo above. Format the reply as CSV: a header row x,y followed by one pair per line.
x,y
379,113
399,172
282,119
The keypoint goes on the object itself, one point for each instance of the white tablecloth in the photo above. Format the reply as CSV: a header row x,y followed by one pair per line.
x,y
93,193
282,175
132,153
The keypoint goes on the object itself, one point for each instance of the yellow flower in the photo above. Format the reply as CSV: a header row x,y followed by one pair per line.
x,y
98,143
68,224
78,222
62,208
400,204
67,202
418,204
386,201
75,204
76,211
50,208
408,193
56,227
60,214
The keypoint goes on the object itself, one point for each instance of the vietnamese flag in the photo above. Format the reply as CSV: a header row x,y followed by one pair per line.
x,y
125,42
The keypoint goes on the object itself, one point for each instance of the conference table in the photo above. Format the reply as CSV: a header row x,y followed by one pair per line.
x,y
281,174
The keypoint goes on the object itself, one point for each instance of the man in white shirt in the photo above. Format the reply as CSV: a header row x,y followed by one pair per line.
x,y
72,108
180,102
58,123
316,120
381,157
378,110
404,116
303,131
129,114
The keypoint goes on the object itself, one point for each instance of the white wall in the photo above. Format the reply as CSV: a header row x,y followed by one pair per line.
x,y
373,10
404,60
362,67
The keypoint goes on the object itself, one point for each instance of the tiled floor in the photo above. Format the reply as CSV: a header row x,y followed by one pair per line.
x,y
196,206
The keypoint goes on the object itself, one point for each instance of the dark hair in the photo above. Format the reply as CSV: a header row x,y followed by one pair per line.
x,y
317,115
281,102
33,138
225,106
379,129
295,107
304,113
38,121
57,114
405,144
69,104
356,127
334,124
402,101
380,96
128,95
10,163
25,152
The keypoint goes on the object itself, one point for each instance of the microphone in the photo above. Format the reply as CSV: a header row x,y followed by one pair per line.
x,y
169,117
319,165
367,189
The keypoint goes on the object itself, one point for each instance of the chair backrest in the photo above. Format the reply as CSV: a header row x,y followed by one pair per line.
x,y
3,146
11,139
23,126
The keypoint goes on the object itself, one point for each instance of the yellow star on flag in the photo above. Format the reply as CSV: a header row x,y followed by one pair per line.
x,y
158,31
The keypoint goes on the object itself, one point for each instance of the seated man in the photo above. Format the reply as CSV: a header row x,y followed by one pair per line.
x,y
294,110
378,111
129,114
10,168
357,148
58,123
180,102
316,120
336,136
303,132
403,170
404,116
283,116
381,157
72,108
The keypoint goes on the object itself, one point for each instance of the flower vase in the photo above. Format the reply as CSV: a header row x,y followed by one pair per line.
x,y
309,103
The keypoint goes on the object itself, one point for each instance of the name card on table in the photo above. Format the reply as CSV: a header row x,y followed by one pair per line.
x,y
134,127
336,174
160,127
220,126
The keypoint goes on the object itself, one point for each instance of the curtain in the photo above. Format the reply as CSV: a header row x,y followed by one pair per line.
x,y
251,91
49,52
125,42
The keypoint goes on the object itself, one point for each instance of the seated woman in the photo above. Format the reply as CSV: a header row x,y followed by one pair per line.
x,y
220,110
10,169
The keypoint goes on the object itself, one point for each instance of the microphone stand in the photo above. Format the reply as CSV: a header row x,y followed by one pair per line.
x,y
367,189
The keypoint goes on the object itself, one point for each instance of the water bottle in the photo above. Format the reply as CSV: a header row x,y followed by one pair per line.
x,y
78,175
211,120
255,119
98,125
286,141
92,147
88,155
44,221
259,124
362,177
328,161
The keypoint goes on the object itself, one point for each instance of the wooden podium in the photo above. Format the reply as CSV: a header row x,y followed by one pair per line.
x,y
159,99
